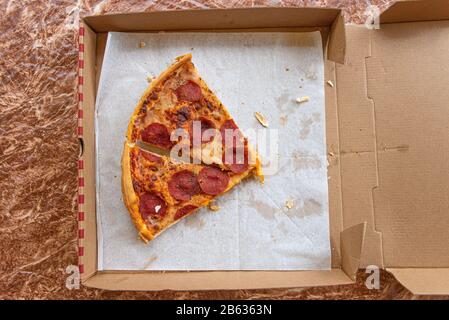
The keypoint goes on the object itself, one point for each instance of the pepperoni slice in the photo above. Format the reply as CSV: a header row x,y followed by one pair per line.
x,y
230,129
184,211
212,180
151,157
205,124
189,91
152,206
183,185
157,134
236,159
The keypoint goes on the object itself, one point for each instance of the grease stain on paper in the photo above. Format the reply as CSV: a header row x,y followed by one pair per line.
x,y
194,221
301,162
305,128
149,262
310,207
264,209
282,101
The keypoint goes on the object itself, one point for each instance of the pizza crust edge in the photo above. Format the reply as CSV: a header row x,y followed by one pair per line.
x,y
130,197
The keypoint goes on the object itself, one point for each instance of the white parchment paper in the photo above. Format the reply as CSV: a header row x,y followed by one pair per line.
x,y
254,230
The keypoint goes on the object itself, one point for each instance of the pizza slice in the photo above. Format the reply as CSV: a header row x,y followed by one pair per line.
x,y
158,191
180,101
178,112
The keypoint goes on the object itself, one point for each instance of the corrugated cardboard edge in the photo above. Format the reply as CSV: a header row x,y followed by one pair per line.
x,y
416,10
86,198
224,280
423,281
214,19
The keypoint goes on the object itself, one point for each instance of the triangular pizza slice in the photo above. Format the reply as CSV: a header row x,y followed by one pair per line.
x,y
159,191
178,113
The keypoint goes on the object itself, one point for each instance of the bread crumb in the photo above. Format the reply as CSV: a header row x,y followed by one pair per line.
x,y
142,44
213,207
150,78
261,119
302,99
330,83
289,204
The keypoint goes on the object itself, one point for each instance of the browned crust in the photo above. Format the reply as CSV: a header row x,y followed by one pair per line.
x,y
130,197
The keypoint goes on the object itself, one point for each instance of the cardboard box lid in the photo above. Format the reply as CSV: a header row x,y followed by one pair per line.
x,y
394,127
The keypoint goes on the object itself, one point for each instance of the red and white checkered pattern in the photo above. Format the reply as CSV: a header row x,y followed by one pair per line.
x,y
80,162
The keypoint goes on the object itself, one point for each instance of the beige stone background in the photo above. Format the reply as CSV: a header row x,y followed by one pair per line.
x,y
39,148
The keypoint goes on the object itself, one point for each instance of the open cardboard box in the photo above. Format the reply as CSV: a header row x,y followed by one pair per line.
x,y
387,119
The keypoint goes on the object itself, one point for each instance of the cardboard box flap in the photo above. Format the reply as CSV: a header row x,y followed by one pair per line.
x,y
393,114
337,41
351,243
407,80
416,10
232,19
243,18
433,281
357,150
211,280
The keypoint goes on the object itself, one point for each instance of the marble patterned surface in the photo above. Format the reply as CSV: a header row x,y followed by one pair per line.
x,y
39,148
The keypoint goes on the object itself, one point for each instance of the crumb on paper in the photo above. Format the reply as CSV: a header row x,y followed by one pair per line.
x,y
287,69
302,99
330,83
142,44
289,204
261,119
150,78
213,207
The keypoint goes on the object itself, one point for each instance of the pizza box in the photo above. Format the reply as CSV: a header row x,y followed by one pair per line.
x,y
386,129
